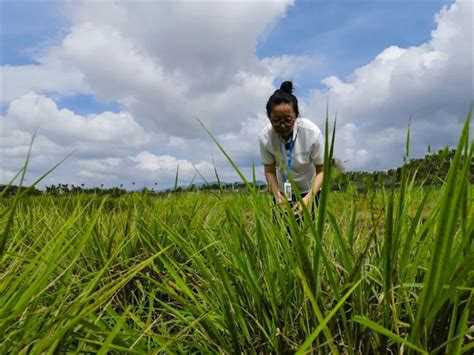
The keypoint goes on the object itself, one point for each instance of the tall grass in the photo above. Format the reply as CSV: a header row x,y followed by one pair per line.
x,y
390,270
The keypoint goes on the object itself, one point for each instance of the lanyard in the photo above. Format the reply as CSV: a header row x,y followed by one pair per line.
x,y
290,154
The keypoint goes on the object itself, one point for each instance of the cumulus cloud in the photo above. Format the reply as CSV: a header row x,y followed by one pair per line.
x,y
49,77
432,83
205,42
64,127
166,63
152,162
60,132
288,66
166,166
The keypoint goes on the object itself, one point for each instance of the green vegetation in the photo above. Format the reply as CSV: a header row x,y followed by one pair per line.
x,y
389,269
431,170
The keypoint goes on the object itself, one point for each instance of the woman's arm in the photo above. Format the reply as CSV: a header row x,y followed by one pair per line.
x,y
317,183
270,175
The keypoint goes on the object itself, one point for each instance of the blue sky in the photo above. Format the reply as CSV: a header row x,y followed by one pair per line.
x,y
348,34
121,83
26,27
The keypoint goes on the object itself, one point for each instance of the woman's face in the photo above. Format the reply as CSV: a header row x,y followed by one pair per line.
x,y
283,119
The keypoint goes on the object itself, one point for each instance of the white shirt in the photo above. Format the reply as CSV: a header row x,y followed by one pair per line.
x,y
308,151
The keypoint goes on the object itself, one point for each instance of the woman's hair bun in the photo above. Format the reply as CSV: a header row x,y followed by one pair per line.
x,y
287,86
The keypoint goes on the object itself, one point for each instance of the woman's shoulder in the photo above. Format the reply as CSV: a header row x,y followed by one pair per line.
x,y
265,132
306,124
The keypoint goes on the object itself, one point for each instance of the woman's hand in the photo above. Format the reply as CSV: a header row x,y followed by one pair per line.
x,y
279,198
307,199
298,209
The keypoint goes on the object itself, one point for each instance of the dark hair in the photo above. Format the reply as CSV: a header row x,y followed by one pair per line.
x,y
283,96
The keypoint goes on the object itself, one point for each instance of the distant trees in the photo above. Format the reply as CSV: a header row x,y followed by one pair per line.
x,y
13,190
61,189
432,169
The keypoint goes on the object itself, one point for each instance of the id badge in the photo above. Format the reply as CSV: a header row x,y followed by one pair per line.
x,y
288,191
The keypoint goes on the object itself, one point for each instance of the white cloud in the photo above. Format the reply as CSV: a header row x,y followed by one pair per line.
x,y
166,166
152,162
7,176
100,165
205,42
287,66
123,52
432,83
64,127
60,132
49,77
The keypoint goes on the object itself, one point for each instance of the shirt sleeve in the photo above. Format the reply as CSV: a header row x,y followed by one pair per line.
x,y
317,149
267,157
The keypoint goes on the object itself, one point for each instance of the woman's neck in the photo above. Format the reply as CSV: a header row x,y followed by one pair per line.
x,y
288,136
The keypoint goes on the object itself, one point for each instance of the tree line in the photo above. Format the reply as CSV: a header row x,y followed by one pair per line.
x,y
431,170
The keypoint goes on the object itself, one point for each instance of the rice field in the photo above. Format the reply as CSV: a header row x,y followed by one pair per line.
x,y
391,270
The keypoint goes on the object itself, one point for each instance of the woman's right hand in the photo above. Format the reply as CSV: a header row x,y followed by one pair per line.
x,y
279,198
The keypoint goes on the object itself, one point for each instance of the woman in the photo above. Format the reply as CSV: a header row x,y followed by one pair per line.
x,y
299,143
